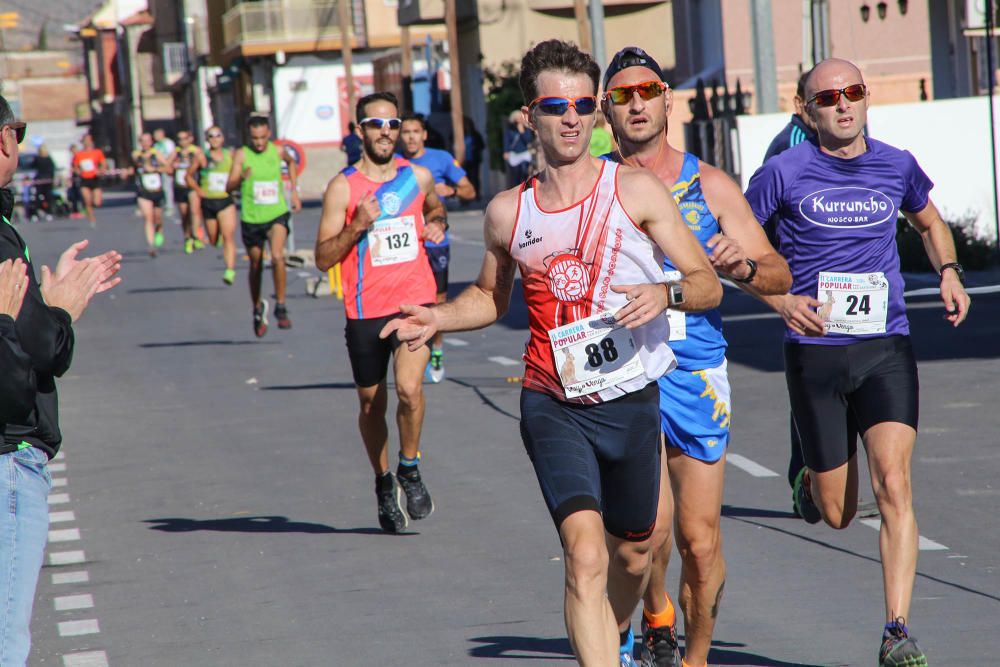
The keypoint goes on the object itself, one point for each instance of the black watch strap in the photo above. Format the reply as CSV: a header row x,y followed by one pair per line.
x,y
753,272
957,268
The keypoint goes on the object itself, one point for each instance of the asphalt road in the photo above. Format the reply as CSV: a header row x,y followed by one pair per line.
x,y
219,508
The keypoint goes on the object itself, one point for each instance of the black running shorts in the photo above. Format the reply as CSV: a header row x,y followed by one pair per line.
x,y
255,233
603,457
149,195
368,353
181,194
210,207
839,391
92,183
439,258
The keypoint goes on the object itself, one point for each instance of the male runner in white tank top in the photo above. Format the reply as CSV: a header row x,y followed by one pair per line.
x,y
588,238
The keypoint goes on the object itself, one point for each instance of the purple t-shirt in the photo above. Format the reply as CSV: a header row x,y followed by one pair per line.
x,y
839,217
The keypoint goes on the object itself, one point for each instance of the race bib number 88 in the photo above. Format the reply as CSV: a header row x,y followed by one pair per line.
x,y
853,303
593,354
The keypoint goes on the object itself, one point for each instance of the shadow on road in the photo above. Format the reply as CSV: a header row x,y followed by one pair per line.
x,y
307,387
255,524
206,343
756,513
538,648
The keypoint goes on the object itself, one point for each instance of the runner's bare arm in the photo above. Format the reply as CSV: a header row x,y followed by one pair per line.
x,y
650,204
236,171
293,179
940,247
464,189
197,163
742,236
335,237
435,214
483,302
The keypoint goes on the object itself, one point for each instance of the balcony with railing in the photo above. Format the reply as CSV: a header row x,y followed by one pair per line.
x,y
263,27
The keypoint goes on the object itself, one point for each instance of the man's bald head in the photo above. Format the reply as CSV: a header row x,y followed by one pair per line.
x,y
828,73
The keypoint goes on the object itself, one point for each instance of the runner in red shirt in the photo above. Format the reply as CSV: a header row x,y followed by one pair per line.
x,y
90,164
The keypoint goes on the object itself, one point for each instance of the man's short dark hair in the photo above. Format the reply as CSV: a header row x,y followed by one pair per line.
x,y
554,54
800,88
258,120
6,113
418,117
359,109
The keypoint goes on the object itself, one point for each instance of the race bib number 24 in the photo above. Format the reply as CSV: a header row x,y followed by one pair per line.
x,y
853,303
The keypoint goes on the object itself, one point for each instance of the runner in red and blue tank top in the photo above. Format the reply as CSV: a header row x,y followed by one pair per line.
x,y
377,213
849,363
694,399
588,237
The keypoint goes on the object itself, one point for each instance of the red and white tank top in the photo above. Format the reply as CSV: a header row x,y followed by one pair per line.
x,y
569,259
388,265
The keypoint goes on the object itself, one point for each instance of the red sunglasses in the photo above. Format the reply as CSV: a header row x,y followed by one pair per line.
x,y
829,98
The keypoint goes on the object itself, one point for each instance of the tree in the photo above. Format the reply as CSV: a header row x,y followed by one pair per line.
x,y
43,39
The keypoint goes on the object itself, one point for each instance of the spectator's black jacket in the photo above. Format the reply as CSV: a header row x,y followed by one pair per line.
x,y
46,336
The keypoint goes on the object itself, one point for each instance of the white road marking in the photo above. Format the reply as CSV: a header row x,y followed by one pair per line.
x,y
87,626
978,492
57,467
78,577
58,481
86,659
457,342
60,517
748,466
923,543
504,361
67,558
64,535
71,602
58,498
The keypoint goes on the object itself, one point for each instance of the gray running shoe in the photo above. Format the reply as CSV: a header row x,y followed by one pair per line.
x,y
899,649
418,501
390,508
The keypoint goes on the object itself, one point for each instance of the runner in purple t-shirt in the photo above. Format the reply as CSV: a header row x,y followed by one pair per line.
x,y
848,360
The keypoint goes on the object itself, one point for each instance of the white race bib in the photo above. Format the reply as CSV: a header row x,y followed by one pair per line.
x,y
594,354
217,181
152,182
265,192
853,303
87,165
393,240
180,177
676,318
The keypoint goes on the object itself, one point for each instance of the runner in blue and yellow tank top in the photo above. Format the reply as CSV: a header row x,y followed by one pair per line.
x,y
694,399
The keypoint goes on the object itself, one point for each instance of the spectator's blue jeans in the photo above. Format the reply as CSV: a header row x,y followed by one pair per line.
x,y
24,529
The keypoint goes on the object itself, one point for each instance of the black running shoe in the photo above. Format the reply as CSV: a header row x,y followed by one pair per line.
x,y
281,314
802,501
418,501
390,508
899,649
260,319
659,647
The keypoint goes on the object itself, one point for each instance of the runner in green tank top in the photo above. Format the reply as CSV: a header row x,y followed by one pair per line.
x,y
264,217
208,176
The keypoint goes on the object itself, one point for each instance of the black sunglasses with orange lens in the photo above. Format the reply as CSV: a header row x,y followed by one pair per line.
x,y
647,90
20,129
557,106
829,98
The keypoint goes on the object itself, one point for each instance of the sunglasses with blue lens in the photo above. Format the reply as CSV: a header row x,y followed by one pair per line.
x,y
557,106
379,123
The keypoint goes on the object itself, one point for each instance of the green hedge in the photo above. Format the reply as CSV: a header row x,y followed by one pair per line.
x,y
973,252
503,95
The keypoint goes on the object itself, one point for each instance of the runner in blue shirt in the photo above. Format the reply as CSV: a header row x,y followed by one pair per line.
x,y
694,399
450,181
849,363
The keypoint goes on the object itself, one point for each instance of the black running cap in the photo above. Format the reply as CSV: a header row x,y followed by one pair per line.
x,y
631,56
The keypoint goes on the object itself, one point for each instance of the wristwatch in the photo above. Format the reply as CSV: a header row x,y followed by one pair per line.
x,y
959,271
753,271
675,294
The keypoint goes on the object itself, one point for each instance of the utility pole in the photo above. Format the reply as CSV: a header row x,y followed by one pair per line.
x,y
457,117
582,24
346,33
406,65
765,71
597,31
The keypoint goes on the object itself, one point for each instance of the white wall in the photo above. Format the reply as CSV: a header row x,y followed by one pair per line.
x,y
313,115
949,138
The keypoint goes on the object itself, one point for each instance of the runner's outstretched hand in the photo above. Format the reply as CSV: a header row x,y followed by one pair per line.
x,y
645,302
956,299
418,327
